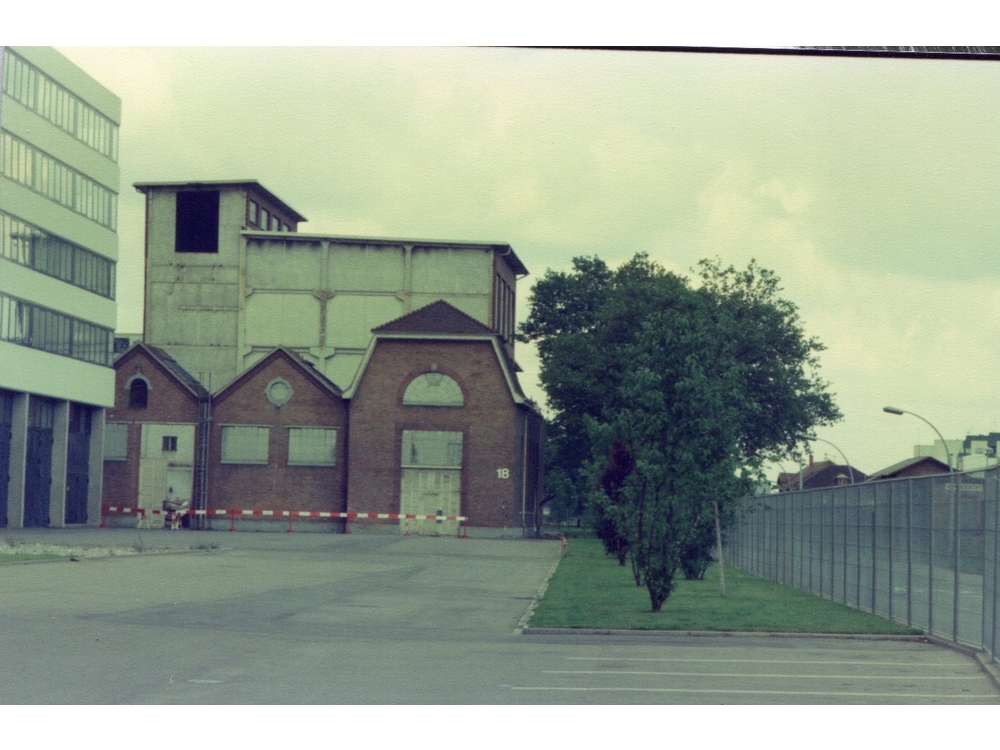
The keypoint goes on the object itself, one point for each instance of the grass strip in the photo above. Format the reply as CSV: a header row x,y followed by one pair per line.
x,y
590,590
7,558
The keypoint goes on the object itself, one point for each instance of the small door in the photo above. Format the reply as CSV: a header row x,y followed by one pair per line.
x,y
6,435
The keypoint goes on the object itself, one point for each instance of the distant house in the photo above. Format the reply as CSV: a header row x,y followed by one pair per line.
x,y
820,474
917,466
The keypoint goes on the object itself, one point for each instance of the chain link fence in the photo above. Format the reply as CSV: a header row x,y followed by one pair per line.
x,y
921,551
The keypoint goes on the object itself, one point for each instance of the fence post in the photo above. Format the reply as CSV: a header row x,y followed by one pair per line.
x,y
909,552
956,544
857,567
874,545
892,550
847,502
930,560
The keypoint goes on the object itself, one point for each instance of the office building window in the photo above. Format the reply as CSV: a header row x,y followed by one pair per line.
x,y
38,327
48,99
35,169
30,246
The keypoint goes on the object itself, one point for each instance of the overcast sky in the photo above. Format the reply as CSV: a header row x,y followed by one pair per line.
x,y
871,186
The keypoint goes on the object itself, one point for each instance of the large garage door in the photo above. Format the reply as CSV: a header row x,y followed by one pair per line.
x,y
78,463
431,480
38,471
6,431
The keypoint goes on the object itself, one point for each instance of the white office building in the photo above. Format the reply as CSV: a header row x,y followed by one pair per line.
x,y
59,184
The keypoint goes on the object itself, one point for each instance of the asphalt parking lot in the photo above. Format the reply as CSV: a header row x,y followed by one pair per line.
x,y
273,618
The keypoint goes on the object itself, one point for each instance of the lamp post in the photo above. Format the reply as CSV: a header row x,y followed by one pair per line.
x,y
953,520
814,438
897,412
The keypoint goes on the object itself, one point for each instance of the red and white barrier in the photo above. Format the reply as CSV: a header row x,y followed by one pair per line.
x,y
174,516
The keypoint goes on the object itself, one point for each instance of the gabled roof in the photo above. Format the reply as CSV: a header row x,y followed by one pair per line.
x,y
443,321
293,357
170,365
892,471
438,317
821,474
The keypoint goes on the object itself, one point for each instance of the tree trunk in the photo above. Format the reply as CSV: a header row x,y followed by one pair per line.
x,y
718,544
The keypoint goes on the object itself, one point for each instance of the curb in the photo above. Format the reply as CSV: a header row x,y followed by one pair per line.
x,y
986,664
129,556
522,624
721,634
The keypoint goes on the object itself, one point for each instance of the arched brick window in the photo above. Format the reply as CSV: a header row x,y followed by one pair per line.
x,y
138,393
433,389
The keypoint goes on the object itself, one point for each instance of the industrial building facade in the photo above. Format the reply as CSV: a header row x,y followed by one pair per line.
x,y
319,373
59,182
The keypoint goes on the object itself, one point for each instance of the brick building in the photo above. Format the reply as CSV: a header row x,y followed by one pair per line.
x,y
362,375
152,431
440,425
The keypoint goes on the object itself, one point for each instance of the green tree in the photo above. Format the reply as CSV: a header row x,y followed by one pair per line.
x,y
696,385
579,321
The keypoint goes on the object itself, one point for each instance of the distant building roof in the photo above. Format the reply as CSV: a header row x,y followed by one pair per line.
x,y
506,251
820,474
908,466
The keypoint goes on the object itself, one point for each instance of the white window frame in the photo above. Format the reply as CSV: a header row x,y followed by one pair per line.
x,y
303,452
419,446
246,444
116,441
433,389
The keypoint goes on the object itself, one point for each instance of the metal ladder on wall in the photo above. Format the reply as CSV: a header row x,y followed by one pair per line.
x,y
201,461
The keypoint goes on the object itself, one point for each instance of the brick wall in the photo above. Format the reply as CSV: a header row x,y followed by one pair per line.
x,y
488,422
277,486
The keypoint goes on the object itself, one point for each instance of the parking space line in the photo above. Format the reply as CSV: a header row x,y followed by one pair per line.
x,y
936,678
908,696
761,661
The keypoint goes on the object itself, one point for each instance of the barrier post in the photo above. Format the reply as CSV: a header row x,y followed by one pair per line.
x,y
232,515
289,530
104,517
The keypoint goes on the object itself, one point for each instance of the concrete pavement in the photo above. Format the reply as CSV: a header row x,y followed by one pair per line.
x,y
274,618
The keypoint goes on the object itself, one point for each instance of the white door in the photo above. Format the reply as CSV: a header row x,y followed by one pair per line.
x,y
431,481
166,467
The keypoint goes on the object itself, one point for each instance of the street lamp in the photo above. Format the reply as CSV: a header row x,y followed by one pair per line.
x,y
814,438
897,412
953,500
